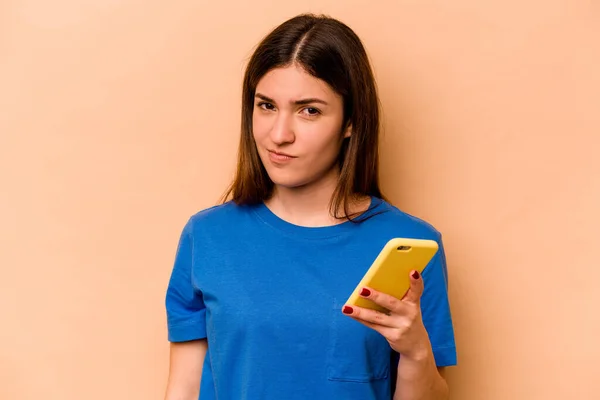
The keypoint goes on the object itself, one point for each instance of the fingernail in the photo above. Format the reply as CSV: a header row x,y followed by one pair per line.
x,y
415,275
347,310
365,292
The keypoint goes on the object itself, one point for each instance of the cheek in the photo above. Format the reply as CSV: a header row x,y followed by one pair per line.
x,y
325,140
260,127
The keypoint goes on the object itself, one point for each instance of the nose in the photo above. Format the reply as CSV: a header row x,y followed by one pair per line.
x,y
282,131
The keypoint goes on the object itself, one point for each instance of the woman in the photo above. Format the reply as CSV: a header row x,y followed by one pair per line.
x,y
255,303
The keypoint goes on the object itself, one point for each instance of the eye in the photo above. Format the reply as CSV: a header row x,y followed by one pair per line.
x,y
311,111
266,106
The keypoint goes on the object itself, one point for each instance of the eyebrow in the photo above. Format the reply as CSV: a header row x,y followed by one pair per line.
x,y
300,102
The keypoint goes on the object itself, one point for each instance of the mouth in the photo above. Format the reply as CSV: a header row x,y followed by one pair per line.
x,y
279,156
278,153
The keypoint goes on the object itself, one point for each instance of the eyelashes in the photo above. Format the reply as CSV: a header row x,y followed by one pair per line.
x,y
266,106
308,111
312,110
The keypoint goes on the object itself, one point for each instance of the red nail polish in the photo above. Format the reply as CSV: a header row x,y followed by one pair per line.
x,y
365,292
347,310
415,275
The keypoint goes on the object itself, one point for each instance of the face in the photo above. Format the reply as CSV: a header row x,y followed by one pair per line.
x,y
297,126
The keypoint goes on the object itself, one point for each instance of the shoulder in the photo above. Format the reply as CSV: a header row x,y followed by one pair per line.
x,y
388,216
218,216
215,212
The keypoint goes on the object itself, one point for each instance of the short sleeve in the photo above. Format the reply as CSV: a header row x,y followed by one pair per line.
x,y
435,309
186,313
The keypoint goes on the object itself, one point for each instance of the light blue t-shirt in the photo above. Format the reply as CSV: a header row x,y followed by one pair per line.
x,y
268,295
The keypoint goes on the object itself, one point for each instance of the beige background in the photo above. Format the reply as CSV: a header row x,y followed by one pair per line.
x,y
119,119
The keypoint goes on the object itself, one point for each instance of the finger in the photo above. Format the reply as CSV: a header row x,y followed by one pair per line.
x,y
382,299
371,316
385,331
416,288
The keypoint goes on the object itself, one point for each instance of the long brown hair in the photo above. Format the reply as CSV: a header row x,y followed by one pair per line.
x,y
329,50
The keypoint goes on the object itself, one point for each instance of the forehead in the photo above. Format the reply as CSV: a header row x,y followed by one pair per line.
x,y
293,83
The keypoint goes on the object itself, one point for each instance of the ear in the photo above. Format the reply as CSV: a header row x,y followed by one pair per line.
x,y
348,131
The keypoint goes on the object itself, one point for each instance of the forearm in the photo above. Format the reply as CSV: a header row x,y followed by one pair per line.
x,y
419,379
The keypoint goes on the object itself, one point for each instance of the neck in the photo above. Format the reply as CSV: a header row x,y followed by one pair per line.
x,y
309,205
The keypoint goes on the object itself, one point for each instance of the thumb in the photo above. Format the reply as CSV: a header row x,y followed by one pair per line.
x,y
415,290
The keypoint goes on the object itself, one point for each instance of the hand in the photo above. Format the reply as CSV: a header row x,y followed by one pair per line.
x,y
403,326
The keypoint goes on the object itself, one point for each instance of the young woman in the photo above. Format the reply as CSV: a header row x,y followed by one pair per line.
x,y
255,303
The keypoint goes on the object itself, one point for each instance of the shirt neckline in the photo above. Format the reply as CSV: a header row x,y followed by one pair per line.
x,y
320,232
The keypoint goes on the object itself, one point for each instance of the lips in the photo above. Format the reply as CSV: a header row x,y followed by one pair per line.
x,y
279,158
277,153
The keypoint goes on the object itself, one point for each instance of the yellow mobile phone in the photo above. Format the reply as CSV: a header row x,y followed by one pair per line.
x,y
390,271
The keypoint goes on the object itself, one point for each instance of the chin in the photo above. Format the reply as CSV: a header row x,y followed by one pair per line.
x,y
286,180
288,183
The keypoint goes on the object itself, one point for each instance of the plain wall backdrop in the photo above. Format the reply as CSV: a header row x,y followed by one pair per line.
x,y
120,119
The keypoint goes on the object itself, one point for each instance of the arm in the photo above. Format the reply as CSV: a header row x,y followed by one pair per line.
x,y
185,370
419,379
186,322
